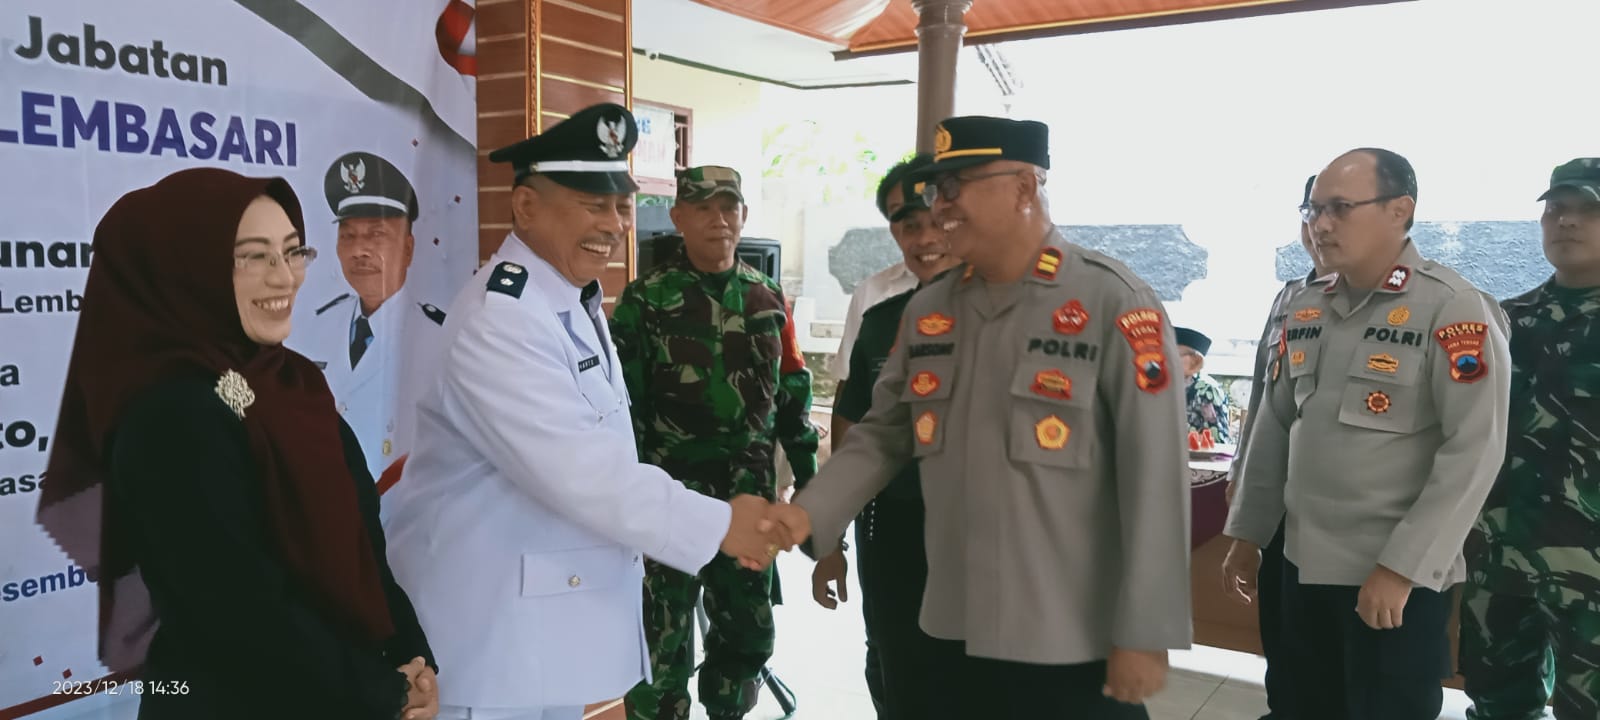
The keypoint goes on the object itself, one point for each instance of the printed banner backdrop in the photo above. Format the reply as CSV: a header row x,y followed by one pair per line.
x,y
99,98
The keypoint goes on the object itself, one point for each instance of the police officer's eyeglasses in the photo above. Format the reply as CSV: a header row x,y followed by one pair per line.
x,y
949,186
259,262
1309,212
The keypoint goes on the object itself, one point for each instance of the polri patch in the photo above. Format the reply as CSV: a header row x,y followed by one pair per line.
x,y
1463,345
1070,319
1142,328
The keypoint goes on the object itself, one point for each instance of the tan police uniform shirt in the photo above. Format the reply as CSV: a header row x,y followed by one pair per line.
x,y
1382,429
1047,420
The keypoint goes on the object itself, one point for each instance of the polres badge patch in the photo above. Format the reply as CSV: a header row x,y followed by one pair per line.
x,y
1142,328
1463,347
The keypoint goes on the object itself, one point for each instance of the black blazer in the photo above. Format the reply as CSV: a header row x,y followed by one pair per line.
x,y
235,629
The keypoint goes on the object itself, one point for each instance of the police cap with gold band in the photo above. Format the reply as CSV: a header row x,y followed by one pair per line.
x,y
363,185
587,152
962,142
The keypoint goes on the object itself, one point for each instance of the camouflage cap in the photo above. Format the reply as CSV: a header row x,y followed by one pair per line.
x,y
703,182
1582,174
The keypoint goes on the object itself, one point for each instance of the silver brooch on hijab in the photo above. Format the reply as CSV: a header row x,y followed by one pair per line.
x,y
235,392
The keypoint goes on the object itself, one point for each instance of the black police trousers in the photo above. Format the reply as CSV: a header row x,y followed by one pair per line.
x,y
1341,669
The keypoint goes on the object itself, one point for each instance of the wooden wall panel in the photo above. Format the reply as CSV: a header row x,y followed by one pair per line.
x,y
539,61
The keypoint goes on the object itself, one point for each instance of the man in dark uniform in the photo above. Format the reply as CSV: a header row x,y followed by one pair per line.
x,y
893,564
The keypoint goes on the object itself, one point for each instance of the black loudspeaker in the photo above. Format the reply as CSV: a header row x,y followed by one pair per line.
x,y
764,254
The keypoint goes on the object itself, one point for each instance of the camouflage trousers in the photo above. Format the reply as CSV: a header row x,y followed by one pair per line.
x,y
1517,650
738,603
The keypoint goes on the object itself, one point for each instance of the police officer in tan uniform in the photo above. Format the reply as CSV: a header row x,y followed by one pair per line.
x,y
1382,427
1037,389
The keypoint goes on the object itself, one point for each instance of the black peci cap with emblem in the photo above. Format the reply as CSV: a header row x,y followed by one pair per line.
x,y
587,152
962,142
363,185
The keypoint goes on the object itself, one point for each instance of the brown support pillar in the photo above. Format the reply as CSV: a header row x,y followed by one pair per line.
x,y
940,29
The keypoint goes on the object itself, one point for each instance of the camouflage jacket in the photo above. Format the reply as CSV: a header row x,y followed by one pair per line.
x,y
715,377
1207,407
1539,532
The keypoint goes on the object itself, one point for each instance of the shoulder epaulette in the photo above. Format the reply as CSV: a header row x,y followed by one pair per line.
x,y
1115,266
1449,277
332,303
433,313
508,278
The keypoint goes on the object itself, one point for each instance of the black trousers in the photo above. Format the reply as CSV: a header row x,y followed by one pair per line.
x,y
1344,670
985,689
1269,613
892,567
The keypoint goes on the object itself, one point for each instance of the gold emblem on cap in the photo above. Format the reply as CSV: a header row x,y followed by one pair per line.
x,y
941,140
1399,315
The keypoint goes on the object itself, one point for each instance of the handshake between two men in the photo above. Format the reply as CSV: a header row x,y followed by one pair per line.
x,y
761,529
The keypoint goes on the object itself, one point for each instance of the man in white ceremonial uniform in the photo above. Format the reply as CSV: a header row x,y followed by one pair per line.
x,y
377,343
521,524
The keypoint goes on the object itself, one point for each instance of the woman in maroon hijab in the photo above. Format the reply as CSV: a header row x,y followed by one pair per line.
x,y
204,479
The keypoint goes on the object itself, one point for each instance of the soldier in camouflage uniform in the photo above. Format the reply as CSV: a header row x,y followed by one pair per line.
x,y
708,353
1530,621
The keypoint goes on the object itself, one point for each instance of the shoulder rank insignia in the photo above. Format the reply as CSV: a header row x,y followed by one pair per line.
x,y
934,324
1070,319
1397,278
332,303
433,312
1463,343
1142,328
508,278
1399,315
1049,264
1052,383
1307,314
1051,433
1378,402
926,424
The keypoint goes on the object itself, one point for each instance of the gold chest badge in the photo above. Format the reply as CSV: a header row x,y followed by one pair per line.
x,y
935,324
1052,384
1399,315
1378,402
1051,433
926,424
1384,363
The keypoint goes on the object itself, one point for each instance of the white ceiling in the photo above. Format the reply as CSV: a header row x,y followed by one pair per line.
x,y
691,31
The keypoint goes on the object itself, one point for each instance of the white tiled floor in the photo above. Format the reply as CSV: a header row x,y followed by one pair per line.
x,y
820,655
